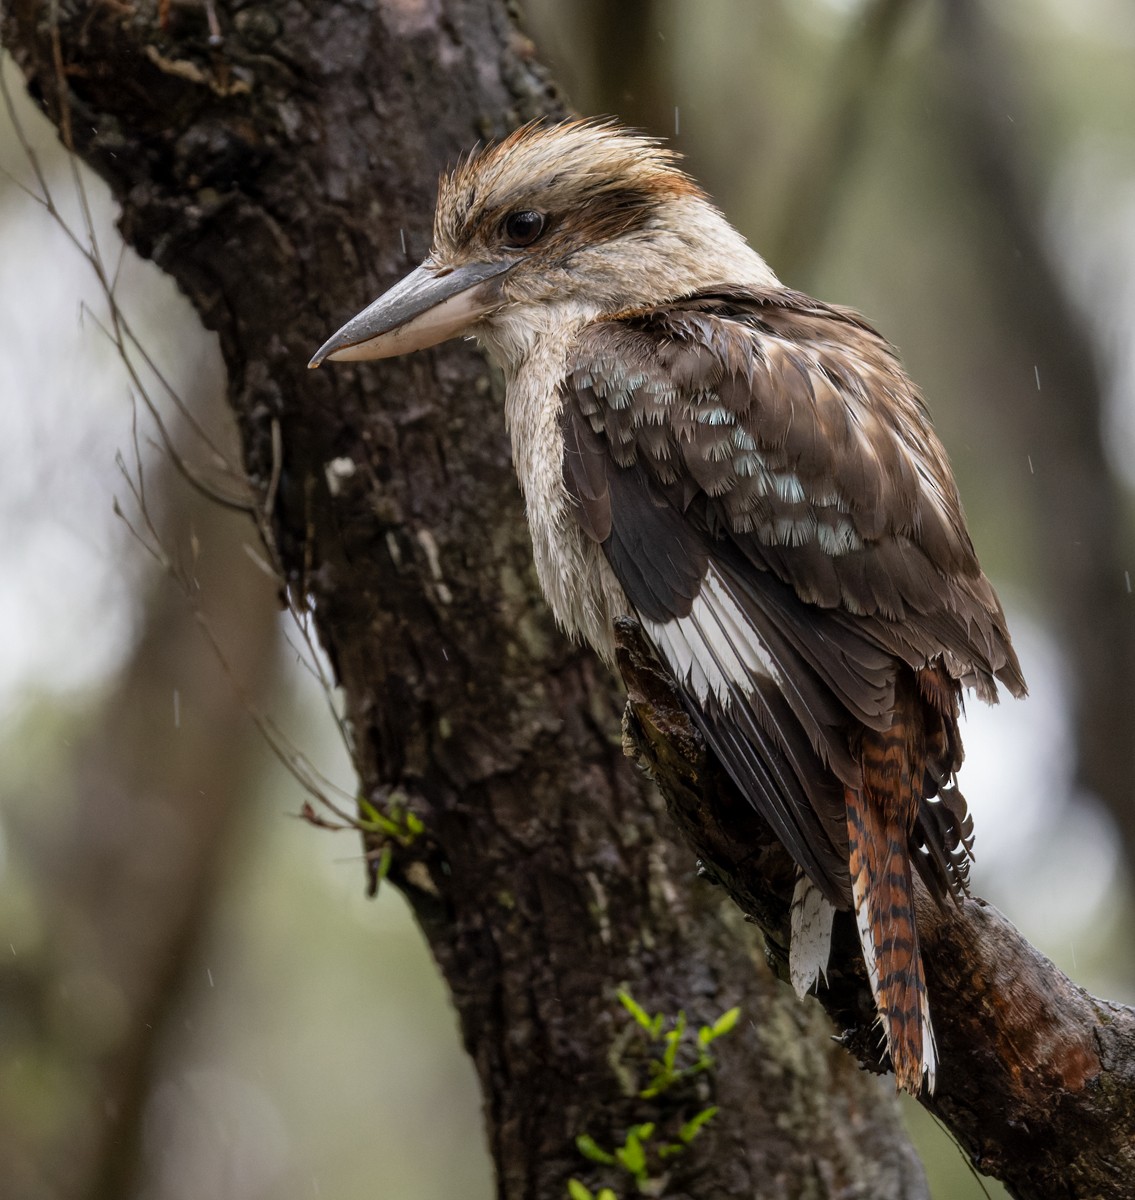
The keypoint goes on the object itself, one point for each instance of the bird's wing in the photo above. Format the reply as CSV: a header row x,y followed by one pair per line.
x,y
767,489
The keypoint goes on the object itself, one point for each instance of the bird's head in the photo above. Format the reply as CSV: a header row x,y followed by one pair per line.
x,y
556,225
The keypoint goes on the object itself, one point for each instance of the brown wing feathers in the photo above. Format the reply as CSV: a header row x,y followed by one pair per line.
x,y
767,488
766,737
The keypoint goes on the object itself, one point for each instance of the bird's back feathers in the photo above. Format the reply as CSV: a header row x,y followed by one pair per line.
x,y
768,491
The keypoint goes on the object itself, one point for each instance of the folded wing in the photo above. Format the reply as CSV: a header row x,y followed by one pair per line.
x,y
767,488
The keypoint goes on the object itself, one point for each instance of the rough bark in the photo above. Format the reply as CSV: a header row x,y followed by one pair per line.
x,y
1036,1079
282,176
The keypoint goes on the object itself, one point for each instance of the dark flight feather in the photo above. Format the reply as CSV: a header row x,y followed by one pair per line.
x,y
742,433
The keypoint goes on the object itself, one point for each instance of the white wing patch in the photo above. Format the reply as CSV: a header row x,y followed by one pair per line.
x,y
715,646
811,936
679,643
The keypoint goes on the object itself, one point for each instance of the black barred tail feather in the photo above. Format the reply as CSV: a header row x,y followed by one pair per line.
x,y
884,912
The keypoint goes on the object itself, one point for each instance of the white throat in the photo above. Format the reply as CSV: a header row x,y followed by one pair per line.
x,y
691,248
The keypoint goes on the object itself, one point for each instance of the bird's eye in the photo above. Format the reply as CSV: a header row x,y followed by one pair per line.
x,y
523,228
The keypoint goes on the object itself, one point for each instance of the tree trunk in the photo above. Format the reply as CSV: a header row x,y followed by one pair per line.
x,y
283,176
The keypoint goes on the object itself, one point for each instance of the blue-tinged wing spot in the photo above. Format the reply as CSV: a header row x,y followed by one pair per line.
x,y
789,488
838,539
712,414
751,464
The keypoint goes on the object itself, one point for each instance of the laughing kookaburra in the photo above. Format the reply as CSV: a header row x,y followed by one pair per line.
x,y
749,474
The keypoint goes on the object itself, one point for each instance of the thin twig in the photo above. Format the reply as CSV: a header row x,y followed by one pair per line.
x,y
61,79
121,335
274,480
168,445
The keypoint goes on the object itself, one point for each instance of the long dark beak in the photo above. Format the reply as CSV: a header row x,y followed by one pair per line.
x,y
430,305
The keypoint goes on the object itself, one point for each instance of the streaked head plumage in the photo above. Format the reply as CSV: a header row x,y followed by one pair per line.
x,y
592,179
556,225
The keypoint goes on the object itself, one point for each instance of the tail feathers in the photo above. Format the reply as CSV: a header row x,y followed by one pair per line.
x,y
884,912
944,831
810,947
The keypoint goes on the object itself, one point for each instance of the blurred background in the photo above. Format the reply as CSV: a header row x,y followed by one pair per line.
x,y
184,962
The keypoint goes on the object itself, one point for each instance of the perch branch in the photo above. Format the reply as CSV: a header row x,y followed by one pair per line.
x,y
1037,1078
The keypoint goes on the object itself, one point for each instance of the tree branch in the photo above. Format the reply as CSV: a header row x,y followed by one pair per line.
x,y
1036,1077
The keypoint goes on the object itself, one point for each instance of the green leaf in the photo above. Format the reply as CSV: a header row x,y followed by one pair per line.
x,y
673,1041
662,1077
635,1009
694,1125
368,810
670,1149
606,1194
590,1148
385,858
632,1155
645,1131
724,1024
577,1191
415,824
670,1053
